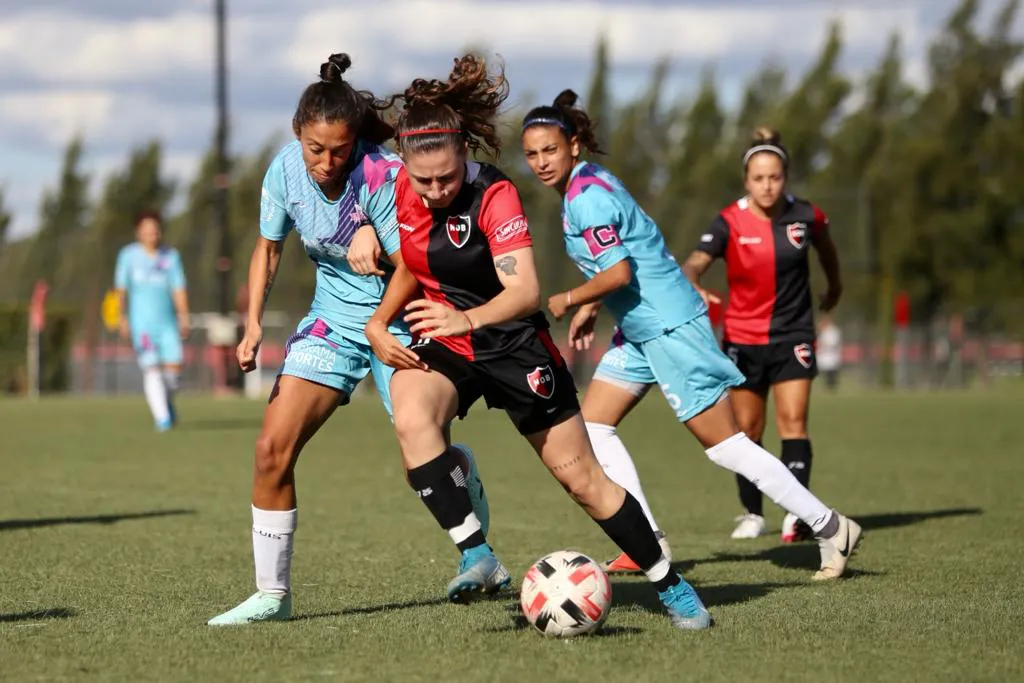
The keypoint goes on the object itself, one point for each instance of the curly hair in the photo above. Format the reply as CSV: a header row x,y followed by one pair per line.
x,y
436,113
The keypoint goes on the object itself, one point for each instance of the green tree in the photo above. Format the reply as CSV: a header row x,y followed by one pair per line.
x,y
62,217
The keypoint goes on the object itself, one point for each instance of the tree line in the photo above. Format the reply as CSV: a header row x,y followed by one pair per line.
x,y
923,185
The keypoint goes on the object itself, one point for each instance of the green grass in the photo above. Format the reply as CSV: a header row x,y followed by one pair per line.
x,y
116,545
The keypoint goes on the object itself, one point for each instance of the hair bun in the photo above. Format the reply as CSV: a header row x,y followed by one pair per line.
x,y
336,65
763,135
566,99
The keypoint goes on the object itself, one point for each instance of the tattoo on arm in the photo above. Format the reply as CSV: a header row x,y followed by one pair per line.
x,y
566,465
507,265
270,283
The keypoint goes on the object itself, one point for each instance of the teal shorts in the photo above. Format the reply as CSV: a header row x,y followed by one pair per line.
x,y
159,345
685,362
320,354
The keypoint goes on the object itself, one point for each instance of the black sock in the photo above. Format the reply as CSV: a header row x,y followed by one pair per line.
x,y
796,455
441,485
629,529
750,495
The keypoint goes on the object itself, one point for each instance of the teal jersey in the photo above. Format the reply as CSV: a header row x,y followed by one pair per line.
x,y
149,280
291,200
603,225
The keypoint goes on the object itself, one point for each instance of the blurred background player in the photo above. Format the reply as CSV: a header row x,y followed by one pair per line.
x,y
466,243
152,278
332,187
769,322
829,350
665,336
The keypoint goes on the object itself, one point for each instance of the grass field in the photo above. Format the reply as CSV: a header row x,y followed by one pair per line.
x,y
116,545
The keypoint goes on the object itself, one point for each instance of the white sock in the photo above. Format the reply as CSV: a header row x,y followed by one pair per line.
x,y
156,394
618,464
272,532
741,455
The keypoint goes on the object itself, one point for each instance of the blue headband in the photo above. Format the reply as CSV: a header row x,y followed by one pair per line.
x,y
548,121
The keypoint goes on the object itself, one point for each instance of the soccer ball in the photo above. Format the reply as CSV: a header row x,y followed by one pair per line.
x,y
566,594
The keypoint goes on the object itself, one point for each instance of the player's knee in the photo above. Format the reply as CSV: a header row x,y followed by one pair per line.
x,y
413,423
792,424
586,486
272,459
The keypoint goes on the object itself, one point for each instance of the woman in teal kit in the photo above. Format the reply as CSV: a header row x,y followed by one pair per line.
x,y
664,336
332,186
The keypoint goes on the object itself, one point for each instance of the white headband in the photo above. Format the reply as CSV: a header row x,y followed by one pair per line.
x,y
774,149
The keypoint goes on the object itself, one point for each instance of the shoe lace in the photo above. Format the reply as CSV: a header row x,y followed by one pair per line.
x,y
680,599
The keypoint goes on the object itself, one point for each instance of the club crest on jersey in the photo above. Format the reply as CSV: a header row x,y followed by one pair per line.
x,y
804,354
542,381
458,230
797,234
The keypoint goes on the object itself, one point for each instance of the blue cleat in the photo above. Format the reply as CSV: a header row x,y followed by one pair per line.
x,y
684,607
259,607
164,425
480,573
476,490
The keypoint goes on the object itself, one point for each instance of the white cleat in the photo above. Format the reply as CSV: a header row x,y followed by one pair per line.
x,y
836,551
749,526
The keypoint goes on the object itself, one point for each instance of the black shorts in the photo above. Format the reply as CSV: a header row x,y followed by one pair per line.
x,y
767,364
532,382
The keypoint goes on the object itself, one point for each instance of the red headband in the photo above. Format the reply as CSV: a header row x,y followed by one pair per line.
x,y
429,131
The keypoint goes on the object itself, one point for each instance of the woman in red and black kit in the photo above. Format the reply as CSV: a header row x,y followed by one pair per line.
x,y
466,249
769,322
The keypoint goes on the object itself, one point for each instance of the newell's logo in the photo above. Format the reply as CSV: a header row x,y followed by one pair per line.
x,y
804,354
796,233
458,230
542,381
511,229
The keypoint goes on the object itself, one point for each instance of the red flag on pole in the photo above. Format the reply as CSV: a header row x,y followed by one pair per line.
x,y
37,307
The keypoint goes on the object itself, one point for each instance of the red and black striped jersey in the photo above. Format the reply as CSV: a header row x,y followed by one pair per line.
x,y
451,252
767,270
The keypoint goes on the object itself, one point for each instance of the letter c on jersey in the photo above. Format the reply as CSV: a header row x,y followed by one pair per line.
x,y
458,230
601,238
542,381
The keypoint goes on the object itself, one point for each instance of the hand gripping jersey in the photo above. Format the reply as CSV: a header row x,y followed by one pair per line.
x,y
149,281
451,252
603,225
767,269
291,200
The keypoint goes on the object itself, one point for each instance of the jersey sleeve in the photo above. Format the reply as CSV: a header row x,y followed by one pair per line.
x,y
121,270
503,220
821,224
715,238
275,223
177,271
380,208
597,217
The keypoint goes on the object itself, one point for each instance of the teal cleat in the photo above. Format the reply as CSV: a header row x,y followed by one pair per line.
x,y
480,573
164,426
685,608
477,496
259,607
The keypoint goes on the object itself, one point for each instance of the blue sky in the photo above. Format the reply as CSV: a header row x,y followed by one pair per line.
x,y
122,72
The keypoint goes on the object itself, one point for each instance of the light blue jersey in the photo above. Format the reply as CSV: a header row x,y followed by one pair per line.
x,y
664,336
329,345
292,200
150,280
603,225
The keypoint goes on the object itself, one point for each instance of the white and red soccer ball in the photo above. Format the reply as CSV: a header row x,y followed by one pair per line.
x,y
566,594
